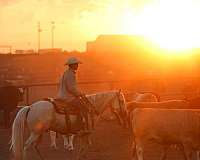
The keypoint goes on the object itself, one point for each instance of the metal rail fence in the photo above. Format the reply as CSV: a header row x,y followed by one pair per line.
x,y
34,92
50,89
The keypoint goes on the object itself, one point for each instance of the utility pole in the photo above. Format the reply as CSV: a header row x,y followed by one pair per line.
x,y
52,34
7,46
39,30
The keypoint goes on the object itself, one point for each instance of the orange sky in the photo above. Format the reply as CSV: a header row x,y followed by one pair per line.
x,y
78,21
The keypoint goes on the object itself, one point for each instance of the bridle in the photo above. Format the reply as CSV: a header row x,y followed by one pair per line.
x,y
120,103
90,108
121,114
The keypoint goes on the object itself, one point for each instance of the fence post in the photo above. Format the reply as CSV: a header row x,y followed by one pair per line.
x,y
27,95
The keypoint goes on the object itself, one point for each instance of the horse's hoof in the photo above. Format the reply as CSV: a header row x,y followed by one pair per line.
x,y
54,147
68,147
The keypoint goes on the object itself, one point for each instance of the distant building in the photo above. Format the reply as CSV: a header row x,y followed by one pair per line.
x,y
117,43
50,50
20,51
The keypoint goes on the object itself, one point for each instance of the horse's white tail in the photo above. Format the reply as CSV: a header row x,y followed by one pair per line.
x,y
17,139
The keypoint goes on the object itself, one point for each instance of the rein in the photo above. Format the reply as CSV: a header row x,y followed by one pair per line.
x,y
90,108
120,105
119,115
87,103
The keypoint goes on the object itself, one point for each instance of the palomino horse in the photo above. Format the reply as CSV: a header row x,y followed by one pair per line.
x,y
41,116
10,96
112,99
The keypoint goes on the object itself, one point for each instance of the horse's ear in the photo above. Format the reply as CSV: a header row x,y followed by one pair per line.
x,y
120,90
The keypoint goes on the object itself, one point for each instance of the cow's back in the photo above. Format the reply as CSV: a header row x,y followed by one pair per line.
x,y
166,126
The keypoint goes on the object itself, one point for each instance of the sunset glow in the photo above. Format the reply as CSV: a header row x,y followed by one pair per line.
x,y
171,24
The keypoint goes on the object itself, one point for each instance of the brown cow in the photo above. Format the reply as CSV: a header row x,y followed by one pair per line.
x,y
169,104
139,97
166,127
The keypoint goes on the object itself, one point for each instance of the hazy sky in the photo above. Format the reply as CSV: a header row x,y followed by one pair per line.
x,y
76,21
79,21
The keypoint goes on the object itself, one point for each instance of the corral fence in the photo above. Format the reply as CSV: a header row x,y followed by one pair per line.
x,y
35,92
167,89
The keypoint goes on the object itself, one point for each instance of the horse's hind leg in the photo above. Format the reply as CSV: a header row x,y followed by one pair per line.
x,y
31,147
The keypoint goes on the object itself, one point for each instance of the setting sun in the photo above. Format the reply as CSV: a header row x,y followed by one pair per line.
x,y
173,25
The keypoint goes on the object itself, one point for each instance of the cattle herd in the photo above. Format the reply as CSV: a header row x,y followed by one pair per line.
x,y
168,123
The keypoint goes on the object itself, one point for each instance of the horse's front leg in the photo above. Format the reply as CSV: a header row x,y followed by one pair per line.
x,y
68,142
118,118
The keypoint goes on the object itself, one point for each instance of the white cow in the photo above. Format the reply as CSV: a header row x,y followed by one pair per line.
x,y
166,127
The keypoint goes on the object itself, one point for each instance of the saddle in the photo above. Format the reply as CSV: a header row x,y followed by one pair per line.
x,y
61,106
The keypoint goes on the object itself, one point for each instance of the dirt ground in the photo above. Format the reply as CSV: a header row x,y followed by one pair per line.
x,y
110,142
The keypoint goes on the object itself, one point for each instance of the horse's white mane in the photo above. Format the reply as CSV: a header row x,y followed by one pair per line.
x,y
115,100
101,97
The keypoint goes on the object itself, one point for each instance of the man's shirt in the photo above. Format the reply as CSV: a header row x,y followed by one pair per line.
x,y
68,87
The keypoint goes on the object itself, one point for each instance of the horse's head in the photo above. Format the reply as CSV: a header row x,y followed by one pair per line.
x,y
114,100
118,107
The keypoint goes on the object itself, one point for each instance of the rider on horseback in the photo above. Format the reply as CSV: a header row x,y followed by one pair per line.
x,y
68,90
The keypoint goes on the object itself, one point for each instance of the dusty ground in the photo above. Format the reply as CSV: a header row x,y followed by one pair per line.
x,y
111,142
